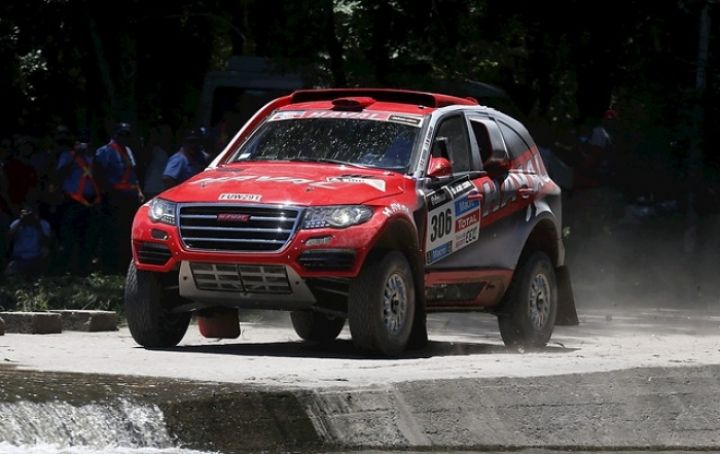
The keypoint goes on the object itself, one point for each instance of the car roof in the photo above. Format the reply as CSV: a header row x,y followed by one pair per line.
x,y
406,101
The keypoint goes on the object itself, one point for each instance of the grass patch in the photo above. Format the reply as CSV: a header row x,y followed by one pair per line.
x,y
96,291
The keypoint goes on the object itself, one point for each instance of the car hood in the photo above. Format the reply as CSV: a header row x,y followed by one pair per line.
x,y
289,183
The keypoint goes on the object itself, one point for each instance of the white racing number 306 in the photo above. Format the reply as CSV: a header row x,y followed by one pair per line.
x,y
441,224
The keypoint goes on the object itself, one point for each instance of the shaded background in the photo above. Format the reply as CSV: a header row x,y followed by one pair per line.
x,y
559,64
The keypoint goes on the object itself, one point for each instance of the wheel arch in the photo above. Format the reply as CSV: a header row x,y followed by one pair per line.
x,y
401,235
545,236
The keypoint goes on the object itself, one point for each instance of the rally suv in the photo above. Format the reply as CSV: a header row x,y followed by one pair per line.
x,y
366,205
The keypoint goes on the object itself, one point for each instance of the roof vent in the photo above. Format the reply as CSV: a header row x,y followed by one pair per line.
x,y
354,104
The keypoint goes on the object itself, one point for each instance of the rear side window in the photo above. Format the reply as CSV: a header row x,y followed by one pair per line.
x,y
482,138
515,144
457,143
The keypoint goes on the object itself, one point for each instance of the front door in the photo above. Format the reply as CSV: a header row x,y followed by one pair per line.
x,y
456,276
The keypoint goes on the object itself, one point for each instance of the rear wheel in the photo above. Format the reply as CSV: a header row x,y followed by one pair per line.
x,y
316,327
147,309
381,306
527,317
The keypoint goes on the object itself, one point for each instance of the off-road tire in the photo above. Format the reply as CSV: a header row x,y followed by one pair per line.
x,y
366,305
147,304
521,326
316,327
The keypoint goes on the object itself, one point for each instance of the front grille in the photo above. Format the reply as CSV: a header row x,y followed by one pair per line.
x,y
241,278
237,227
327,259
153,253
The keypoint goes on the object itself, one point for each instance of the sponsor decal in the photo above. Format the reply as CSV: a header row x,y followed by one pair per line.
x,y
467,221
439,252
410,120
467,237
286,115
395,208
453,220
203,182
233,217
375,183
328,183
461,187
464,205
240,197
438,198
378,116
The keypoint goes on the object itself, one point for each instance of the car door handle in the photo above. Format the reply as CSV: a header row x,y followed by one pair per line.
x,y
475,196
525,192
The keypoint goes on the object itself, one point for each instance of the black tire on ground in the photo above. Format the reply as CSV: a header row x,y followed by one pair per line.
x,y
381,305
147,304
527,315
316,327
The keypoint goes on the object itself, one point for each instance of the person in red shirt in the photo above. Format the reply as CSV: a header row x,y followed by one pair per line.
x,y
21,177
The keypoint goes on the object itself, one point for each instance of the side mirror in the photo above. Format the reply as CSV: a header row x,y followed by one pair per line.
x,y
439,167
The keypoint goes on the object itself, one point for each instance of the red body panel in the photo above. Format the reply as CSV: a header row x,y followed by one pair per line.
x,y
291,183
309,184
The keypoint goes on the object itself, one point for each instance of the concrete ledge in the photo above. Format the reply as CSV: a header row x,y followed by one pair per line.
x,y
83,320
652,410
32,322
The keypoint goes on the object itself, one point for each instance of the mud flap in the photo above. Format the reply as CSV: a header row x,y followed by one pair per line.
x,y
419,335
566,312
219,324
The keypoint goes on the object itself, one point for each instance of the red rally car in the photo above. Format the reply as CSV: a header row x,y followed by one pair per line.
x,y
375,206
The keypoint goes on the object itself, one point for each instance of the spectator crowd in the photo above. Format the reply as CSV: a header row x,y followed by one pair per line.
x,y
67,205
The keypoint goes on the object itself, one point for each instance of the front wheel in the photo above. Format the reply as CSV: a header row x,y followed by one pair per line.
x,y
147,309
381,305
528,311
316,327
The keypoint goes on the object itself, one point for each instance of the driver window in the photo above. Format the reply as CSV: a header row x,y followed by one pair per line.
x,y
455,138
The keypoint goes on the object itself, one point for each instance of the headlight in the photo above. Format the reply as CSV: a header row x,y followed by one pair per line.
x,y
162,211
338,217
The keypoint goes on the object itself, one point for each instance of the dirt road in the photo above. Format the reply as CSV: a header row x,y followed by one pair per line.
x,y
462,346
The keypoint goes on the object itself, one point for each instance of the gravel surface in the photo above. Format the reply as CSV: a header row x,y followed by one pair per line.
x,y
268,353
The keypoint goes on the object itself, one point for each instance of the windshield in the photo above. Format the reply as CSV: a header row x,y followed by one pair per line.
x,y
359,142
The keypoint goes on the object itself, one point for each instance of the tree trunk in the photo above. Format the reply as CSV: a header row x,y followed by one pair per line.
x,y
695,155
335,49
103,65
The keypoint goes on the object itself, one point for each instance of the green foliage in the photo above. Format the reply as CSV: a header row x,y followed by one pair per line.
x,y
96,291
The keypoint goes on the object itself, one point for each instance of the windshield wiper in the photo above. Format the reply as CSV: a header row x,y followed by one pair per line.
x,y
329,160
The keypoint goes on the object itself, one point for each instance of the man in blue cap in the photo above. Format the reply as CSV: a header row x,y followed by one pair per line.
x,y
114,170
190,160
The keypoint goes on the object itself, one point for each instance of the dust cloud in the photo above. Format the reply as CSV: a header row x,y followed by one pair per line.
x,y
633,255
